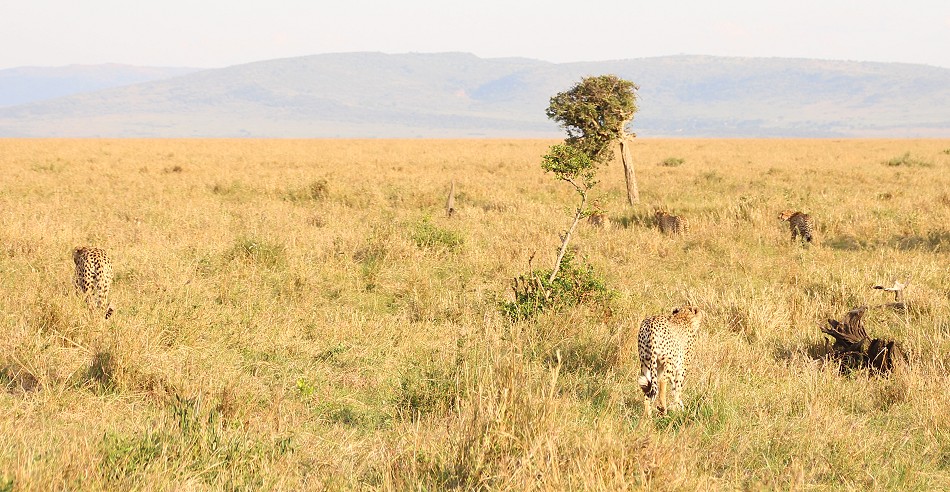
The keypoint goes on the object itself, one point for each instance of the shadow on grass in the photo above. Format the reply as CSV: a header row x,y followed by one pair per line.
x,y
16,378
637,218
848,242
583,356
815,350
932,241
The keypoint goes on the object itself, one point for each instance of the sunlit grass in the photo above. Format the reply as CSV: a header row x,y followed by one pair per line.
x,y
302,315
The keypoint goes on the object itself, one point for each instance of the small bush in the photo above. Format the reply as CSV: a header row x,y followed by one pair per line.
x,y
427,235
575,284
672,162
907,160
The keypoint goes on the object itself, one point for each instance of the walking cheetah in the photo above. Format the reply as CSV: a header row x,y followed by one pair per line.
x,y
799,223
666,346
94,276
671,224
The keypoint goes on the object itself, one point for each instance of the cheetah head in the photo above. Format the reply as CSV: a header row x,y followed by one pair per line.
x,y
786,214
689,314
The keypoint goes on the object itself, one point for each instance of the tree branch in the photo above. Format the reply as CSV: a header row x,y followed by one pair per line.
x,y
567,236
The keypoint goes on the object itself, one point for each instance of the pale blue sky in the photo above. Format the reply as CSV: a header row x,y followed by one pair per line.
x,y
202,33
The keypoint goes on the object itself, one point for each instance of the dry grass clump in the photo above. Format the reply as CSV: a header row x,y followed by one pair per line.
x,y
301,315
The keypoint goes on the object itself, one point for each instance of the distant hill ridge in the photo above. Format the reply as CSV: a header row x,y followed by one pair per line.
x,y
379,95
29,84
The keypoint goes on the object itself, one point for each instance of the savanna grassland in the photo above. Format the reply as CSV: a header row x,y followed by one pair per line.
x,y
301,315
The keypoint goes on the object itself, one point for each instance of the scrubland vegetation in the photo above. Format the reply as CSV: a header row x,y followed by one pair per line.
x,y
301,315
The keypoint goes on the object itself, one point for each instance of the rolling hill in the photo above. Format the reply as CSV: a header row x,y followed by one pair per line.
x,y
460,95
29,84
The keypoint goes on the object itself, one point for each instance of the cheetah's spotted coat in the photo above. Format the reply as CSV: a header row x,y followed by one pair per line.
x,y
94,276
665,346
800,224
671,224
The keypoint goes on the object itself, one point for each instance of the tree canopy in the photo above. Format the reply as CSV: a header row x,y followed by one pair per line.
x,y
595,113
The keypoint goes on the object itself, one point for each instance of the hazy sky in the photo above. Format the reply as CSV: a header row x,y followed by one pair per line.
x,y
204,33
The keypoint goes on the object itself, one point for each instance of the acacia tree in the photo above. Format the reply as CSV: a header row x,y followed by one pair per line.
x,y
574,163
595,114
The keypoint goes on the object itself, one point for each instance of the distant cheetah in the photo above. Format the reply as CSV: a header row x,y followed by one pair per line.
x,y
666,346
800,224
598,219
671,224
94,276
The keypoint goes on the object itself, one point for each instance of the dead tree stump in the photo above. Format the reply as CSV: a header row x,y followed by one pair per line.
x,y
854,349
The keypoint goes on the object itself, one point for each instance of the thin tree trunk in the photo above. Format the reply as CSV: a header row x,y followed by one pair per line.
x,y
450,202
633,193
567,237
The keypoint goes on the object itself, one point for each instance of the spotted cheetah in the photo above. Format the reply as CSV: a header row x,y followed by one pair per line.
x,y
671,224
94,276
666,346
598,219
799,223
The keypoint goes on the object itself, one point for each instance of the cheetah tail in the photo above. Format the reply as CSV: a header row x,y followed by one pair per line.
x,y
109,311
647,384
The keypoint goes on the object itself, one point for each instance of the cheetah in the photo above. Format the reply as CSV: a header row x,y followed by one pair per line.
x,y
94,276
671,224
598,219
800,224
665,346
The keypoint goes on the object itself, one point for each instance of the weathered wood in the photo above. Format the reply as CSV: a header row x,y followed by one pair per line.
x,y
633,192
856,350
450,202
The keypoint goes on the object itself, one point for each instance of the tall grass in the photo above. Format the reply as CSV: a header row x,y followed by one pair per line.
x,y
300,315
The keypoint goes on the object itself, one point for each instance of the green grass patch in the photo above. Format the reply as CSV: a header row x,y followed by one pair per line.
x,y
907,160
427,235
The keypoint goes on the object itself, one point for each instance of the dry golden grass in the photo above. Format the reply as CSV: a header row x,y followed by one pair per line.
x,y
300,315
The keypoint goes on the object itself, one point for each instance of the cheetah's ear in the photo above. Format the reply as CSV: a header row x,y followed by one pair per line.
x,y
676,310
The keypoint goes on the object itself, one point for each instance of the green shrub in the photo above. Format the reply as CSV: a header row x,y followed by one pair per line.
x,y
427,235
576,283
907,160
672,162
